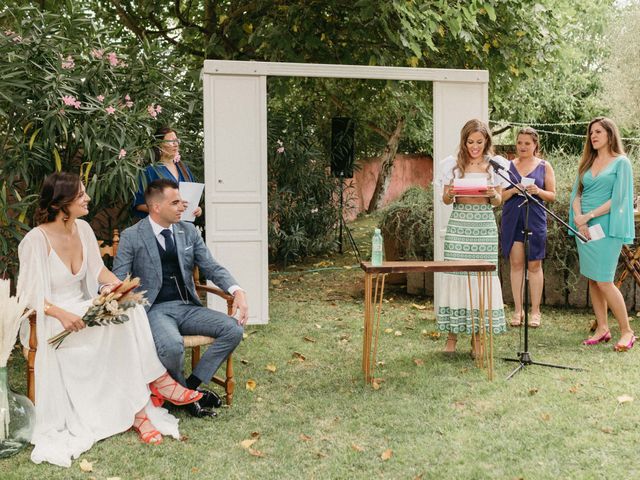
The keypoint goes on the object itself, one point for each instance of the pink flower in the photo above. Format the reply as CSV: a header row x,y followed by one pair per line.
x,y
110,110
129,102
158,109
17,39
127,97
68,64
122,153
100,98
71,101
152,111
176,158
113,59
9,33
97,53
280,150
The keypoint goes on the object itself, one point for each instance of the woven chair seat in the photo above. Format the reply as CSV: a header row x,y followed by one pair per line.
x,y
191,341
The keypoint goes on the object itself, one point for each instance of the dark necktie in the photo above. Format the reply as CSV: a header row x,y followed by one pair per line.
x,y
169,246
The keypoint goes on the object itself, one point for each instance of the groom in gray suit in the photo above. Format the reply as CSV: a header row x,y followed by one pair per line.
x,y
162,251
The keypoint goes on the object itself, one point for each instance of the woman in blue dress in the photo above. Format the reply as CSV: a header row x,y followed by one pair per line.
x,y
527,165
168,152
603,195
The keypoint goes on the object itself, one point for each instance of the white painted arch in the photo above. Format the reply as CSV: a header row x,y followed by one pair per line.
x,y
235,132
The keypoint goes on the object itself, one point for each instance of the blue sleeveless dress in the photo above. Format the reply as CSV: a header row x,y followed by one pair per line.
x,y
513,216
599,258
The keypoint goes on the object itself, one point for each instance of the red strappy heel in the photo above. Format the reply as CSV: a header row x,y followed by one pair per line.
x,y
164,382
152,437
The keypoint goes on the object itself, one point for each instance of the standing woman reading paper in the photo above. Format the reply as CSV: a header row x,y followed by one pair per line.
x,y
171,166
471,234
602,203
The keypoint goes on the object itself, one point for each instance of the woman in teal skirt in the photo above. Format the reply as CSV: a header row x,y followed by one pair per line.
x,y
472,234
603,195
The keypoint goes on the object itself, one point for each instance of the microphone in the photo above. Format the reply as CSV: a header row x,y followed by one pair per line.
x,y
495,165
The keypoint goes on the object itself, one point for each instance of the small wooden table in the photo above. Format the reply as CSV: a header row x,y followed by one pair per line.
x,y
373,304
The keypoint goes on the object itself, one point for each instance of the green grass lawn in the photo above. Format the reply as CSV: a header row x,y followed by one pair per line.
x,y
437,417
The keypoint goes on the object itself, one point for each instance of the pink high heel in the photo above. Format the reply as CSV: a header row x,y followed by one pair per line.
x,y
606,336
623,348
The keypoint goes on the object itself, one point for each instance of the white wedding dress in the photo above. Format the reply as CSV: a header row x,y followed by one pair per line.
x,y
92,386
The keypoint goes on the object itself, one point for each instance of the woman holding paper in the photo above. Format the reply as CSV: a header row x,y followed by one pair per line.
x,y
473,187
538,178
602,210
171,167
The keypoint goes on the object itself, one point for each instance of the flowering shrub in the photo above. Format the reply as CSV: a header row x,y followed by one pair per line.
x,y
303,210
73,98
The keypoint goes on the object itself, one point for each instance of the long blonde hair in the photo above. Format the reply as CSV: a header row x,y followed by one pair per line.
x,y
472,126
589,154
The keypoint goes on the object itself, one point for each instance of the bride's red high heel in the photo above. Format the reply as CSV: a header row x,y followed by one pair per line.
x,y
152,437
164,383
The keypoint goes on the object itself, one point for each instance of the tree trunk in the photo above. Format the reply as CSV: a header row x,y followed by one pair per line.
x,y
386,166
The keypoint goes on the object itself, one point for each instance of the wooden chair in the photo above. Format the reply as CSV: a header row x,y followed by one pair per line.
x,y
190,341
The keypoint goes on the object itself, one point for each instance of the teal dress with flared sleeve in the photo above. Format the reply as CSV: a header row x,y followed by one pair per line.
x,y
599,258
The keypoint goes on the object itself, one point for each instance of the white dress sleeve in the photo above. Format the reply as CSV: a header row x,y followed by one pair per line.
x,y
447,167
497,180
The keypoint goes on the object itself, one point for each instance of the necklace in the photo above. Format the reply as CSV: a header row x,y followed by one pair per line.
x,y
474,164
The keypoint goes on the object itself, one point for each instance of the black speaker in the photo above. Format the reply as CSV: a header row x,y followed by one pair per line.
x,y
342,147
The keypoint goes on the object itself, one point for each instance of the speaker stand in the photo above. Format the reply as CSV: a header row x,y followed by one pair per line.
x,y
343,225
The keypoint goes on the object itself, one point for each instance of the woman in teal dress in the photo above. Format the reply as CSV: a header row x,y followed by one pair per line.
x,y
167,152
603,195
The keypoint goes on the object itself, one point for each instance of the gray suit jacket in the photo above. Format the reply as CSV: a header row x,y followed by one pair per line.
x,y
138,255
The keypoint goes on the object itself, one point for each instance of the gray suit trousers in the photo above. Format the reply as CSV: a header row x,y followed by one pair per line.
x,y
170,320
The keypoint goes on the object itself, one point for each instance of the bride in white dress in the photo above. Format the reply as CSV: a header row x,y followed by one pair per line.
x,y
97,383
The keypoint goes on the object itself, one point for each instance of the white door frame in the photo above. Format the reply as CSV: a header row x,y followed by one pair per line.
x,y
235,134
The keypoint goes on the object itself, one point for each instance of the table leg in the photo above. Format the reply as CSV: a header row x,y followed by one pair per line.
x,y
366,334
473,319
481,322
490,309
380,278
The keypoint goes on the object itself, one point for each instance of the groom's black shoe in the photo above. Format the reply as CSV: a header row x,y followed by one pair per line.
x,y
209,399
197,410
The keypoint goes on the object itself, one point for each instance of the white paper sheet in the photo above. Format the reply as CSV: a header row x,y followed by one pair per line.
x,y
526,181
470,182
191,193
596,232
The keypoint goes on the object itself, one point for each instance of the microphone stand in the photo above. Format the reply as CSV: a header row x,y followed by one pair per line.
x,y
524,358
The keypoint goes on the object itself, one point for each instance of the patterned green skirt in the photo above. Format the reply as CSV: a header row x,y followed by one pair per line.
x,y
471,234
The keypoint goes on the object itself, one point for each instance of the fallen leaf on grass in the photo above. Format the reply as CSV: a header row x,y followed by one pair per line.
x,y
419,307
251,385
299,356
255,453
118,478
607,429
244,362
275,282
387,454
459,405
533,391
309,339
318,326
86,466
418,361
304,437
380,363
545,417
271,368
574,389
248,443
397,333
625,399
357,447
375,384
388,330
255,434
245,336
